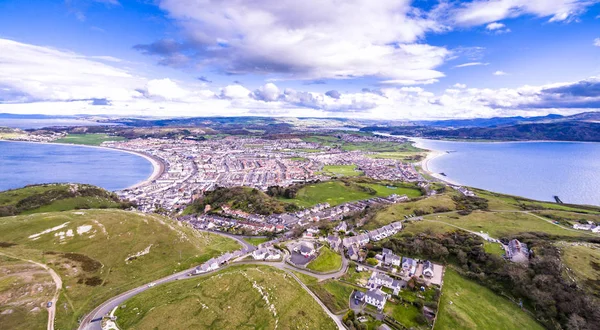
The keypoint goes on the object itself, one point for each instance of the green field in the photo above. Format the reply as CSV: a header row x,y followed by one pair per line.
x,y
406,156
341,170
94,252
404,313
89,139
239,297
326,261
256,241
337,192
25,288
583,262
467,305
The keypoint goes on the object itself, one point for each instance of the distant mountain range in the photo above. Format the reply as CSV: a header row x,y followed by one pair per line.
x,y
579,127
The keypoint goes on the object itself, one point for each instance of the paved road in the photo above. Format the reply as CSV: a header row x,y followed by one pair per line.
x,y
106,307
57,281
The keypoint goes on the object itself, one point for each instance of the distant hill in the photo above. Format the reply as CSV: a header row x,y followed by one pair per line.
x,y
580,127
488,122
57,197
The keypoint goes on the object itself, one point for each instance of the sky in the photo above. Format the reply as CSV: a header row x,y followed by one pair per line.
x,y
384,59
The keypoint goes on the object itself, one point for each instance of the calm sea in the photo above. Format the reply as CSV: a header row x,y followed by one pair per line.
x,y
23,163
537,170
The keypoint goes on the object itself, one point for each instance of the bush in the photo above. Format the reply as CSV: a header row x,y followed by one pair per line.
x,y
372,261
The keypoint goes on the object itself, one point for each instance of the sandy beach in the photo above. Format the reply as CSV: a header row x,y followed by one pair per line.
x,y
157,165
433,154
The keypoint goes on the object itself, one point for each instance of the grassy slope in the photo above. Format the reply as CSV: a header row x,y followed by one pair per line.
x,y
12,198
88,139
500,224
230,299
114,236
335,193
583,262
398,211
24,290
334,294
327,261
467,305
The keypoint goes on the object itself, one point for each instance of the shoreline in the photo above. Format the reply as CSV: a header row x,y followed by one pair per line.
x,y
431,155
158,166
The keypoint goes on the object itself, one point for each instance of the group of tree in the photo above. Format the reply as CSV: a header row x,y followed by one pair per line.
x,y
245,199
555,302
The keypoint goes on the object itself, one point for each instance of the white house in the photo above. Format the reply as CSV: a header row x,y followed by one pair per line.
x,y
266,254
306,249
376,298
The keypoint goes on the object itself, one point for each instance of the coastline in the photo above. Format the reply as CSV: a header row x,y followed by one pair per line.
x,y
431,155
158,166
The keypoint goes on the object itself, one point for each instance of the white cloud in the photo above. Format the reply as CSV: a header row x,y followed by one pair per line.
x,y
479,12
310,39
42,80
495,26
464,65
500,73
597,42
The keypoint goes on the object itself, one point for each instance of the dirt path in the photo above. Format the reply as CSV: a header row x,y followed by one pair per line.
x,y
57,281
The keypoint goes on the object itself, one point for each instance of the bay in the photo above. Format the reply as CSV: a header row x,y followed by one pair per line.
x,y
537,170
24,163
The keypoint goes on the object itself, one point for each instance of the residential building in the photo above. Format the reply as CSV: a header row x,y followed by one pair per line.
x,y
376,298
428,269
409,266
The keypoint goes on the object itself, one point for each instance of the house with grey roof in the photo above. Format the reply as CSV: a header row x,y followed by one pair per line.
x,y
334,242
428,269
353,252
376,298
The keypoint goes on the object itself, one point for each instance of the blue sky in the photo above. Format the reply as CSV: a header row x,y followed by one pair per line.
x,y
390,59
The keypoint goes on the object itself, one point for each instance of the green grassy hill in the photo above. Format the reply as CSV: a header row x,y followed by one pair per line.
x,y
100,253
239,297
95,139
57,197
467,305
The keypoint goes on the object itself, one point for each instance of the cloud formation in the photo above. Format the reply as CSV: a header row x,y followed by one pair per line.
x,y
464,65
479,12
313,39
35,79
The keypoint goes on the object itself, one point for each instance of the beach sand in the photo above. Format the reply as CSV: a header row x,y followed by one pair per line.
x,y
431,155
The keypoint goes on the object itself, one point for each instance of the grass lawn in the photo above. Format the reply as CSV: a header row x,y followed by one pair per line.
x,y
467,305
341,170
299,159
407,156
334,294
584,263
91,250
498,201
256,241
417,227
383,146
357,278
501,224
404,313
327,261
493,248
239,297
89,139
25,288
384,190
